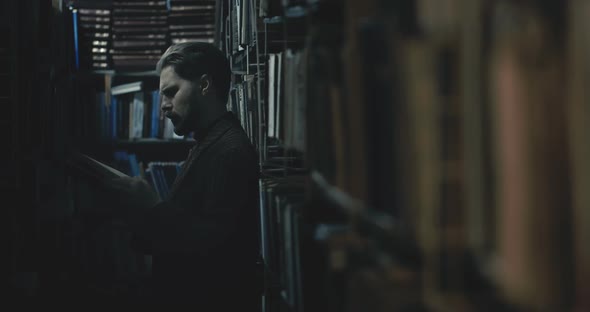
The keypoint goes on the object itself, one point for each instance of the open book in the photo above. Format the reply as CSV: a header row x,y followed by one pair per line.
x,y
92,168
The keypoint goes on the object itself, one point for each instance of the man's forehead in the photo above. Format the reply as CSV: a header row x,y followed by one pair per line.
x,y
167,76
167,71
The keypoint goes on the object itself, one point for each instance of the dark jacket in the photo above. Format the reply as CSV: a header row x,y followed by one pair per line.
x,y
204,237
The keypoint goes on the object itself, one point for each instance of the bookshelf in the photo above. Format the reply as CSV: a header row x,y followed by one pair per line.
x,y
126,85
386,126
578,150
254,43
424,155
121,112
114,116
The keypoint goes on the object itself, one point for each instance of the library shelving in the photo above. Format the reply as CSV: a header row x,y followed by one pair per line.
x,y
415,155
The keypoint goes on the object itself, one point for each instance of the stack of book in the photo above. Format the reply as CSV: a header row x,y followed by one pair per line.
x,y
92,29
161,176
192,20
140,34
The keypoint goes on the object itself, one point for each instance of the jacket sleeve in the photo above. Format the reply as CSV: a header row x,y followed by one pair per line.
x,y
180,227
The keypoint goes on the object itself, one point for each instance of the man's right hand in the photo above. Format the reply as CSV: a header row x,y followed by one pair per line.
x,y
133,194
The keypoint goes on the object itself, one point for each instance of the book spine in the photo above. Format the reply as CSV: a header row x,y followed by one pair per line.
x,y
154,179
161,180
155,114
113,117
76,51
134,165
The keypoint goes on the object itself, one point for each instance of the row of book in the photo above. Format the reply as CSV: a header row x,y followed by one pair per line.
x,y
192,20
92,36
140,33
287,98
242,102
159,174
283,237
132,35
131,116
239,24
271,116
242,29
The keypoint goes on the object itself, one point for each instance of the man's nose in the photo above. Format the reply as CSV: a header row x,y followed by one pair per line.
x,y
166,105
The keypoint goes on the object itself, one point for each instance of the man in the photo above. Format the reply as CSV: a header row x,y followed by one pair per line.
x,y
204,237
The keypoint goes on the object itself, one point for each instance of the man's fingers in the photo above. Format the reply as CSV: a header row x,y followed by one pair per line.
x,y
132,184
117,184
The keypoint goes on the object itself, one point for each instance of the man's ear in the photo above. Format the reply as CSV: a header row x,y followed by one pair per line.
x,y
205,84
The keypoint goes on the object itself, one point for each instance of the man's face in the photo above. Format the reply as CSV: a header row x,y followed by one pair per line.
x,y
181,101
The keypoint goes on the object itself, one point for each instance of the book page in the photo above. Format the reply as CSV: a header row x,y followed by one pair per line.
x,y
94,168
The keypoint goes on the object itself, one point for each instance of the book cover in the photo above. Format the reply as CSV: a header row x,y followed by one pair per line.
x,y
92,168
127,88
136,116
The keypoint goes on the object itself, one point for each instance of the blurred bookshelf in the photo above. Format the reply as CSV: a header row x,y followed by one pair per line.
x,y
399,170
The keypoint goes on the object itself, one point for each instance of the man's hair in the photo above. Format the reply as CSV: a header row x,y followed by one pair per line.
x,y
190,60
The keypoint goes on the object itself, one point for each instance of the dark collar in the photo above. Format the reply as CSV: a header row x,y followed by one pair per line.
x,y
216,130
212,135
202,135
